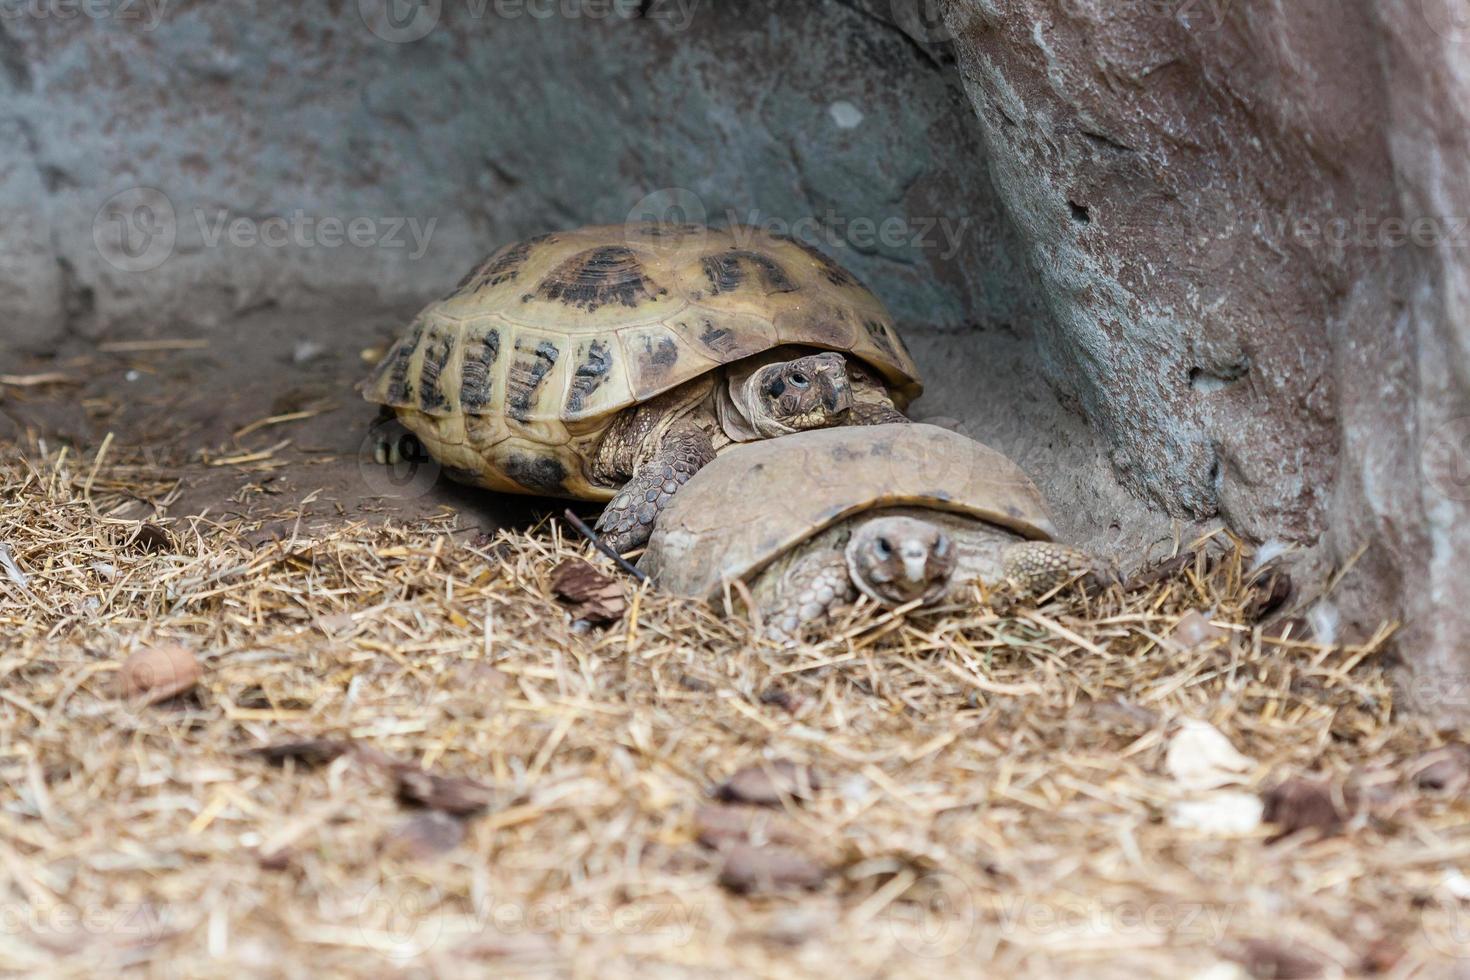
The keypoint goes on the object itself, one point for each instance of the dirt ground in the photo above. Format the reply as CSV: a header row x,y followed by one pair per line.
x,y
394,751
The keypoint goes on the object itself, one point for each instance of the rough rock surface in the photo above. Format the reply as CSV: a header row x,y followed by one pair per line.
x,y
1250,225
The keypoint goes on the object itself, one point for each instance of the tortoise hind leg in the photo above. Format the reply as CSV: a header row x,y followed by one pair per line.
x,y
1037,567
628,520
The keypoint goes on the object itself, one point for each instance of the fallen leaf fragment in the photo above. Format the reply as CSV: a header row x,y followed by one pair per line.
x,y
590,595
751,869
1199,757
454,795
156,674
310,753
1305,804
770,783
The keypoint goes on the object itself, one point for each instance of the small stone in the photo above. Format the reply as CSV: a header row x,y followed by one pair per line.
x,y
750,869
1195,630
722,827
1200,757
156,674
1269,959
423,836
770,783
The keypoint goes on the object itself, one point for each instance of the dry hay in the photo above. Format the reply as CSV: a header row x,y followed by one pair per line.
x,y
992,785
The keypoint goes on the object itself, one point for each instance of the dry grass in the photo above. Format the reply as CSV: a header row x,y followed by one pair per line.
x,y
994,788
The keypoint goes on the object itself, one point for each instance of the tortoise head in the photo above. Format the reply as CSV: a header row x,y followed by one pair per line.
x,y
895,560
810,392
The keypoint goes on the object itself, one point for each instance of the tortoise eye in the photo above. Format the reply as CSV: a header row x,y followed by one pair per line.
x,y
799,380
884,549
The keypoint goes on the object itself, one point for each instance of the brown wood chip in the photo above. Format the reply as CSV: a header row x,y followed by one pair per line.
x,y
591,595
156,674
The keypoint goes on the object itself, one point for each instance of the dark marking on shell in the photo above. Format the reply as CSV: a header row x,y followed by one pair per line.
x,y
721,340
592,279
728,271
543,474
590,375
526,375
504,266
835,273
657,356
400,387
437,348
475,381
881,336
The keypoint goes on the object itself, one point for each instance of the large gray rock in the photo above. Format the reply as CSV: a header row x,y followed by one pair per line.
x,y
1250,225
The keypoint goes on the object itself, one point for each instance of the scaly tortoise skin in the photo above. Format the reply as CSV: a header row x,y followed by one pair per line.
x,y
530,376
799,520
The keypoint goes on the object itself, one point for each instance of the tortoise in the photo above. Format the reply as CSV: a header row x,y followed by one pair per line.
x,y
899,513
611,363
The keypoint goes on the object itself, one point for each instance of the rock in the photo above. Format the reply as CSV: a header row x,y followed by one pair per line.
x,y
1221,207
1271,959
423,836
722,827
155,674
1225,814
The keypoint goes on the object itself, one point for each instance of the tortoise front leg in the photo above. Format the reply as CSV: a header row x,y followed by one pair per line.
x,y
871,402
811,590
628,520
